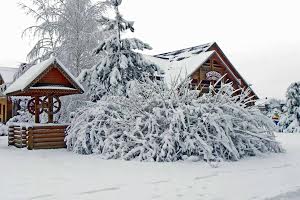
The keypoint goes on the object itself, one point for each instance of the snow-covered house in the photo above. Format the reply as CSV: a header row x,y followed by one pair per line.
x,y
204,64
6,78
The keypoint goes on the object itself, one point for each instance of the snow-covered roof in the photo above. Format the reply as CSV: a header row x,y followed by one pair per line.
x,y
180,69
7,74
33,72
186,61
51,87
184,53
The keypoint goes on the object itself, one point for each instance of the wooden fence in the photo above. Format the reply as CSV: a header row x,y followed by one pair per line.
x,y
37,136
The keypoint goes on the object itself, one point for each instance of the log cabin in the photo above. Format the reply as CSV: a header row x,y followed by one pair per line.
x,y
6,105
204,64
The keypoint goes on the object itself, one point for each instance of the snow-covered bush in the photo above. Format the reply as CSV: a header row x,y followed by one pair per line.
x,y
23,114
155,123
3,129
290,123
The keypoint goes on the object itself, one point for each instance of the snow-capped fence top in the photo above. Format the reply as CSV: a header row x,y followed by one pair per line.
x,y
49,76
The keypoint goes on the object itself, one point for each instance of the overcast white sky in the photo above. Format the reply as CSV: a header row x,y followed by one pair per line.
x,y
260,37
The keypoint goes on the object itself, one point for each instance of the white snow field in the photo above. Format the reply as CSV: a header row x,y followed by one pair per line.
x,y
58,174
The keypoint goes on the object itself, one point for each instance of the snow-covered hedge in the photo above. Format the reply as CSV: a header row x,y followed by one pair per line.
x,y
154,123
3,129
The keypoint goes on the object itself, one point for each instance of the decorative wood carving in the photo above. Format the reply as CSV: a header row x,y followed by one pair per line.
x,y
31,106
51,104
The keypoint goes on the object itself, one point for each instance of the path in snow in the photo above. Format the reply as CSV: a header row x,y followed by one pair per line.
x,y
58,174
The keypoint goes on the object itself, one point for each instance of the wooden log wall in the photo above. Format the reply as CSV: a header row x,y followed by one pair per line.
x,y
37,137
46,137
17,136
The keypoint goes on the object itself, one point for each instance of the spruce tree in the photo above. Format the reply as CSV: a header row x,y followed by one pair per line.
x,y
291,122
121,63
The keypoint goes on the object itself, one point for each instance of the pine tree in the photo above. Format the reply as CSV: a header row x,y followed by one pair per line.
x,y
291,122
121,63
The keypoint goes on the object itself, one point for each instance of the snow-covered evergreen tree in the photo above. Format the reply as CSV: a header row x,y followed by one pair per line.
x,y
290,123
121,63
157,123
66,28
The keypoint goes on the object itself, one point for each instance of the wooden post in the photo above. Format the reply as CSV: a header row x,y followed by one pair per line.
x,y
50,109
30,139
36,109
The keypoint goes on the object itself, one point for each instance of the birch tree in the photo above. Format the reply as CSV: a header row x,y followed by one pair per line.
x,y
67,29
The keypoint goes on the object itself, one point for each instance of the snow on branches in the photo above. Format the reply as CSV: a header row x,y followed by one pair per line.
x,y
67,29
3,130
155,123
121,63
290,123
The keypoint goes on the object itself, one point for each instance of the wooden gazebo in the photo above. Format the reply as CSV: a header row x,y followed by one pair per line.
x,y
45,83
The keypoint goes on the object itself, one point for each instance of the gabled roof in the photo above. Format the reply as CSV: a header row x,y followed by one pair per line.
x,y
32,75
216,46
182,54
188,60
179,69
7,74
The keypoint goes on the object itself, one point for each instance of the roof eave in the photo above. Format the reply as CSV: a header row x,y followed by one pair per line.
x,y
236,71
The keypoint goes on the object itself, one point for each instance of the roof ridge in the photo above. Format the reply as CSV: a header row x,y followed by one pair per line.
x,y
209,44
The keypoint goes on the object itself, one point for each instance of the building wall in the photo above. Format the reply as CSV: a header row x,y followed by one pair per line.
x,y
3,104
5,109
214,64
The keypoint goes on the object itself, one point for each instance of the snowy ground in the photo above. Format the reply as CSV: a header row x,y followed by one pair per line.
x,y
58,174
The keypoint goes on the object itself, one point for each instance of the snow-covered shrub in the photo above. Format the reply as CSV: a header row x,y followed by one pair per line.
x,y
3,130
155,123
290,123
22,114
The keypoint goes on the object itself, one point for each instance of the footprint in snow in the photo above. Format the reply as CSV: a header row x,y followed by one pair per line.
x,y
281,166
205,177
100,190
158,182
43,196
